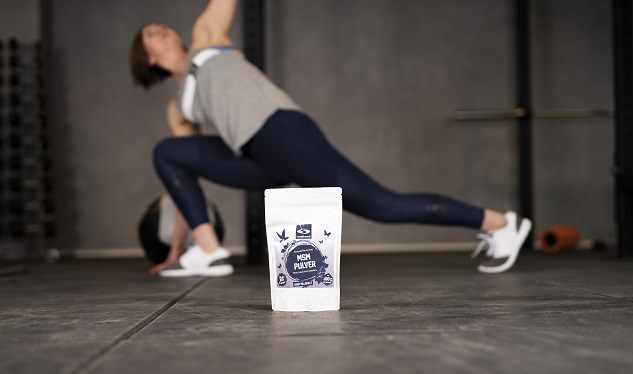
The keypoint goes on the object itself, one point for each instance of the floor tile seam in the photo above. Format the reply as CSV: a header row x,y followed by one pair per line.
x,y
575,288
86,364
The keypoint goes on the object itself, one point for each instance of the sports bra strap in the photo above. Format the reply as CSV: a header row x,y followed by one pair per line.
x,y
189,88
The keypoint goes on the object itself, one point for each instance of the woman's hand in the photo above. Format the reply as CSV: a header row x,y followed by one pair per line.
x,y
213,25
171,259
177,244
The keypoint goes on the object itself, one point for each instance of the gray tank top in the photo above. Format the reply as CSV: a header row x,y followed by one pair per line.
x,y
233,97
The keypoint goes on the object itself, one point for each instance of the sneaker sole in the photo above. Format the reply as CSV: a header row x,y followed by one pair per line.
x,y
524,229
213,271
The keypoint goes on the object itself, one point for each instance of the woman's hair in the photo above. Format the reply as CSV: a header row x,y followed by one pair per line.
x,y
143,73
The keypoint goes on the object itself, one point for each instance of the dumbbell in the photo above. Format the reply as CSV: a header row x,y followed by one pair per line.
x,y
25,99
36,120
19,141
19,162
20,229
30,63
18,207
20,184
16,47
24,80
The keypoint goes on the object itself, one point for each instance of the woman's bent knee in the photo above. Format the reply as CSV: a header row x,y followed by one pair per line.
x,y
162,150
163,154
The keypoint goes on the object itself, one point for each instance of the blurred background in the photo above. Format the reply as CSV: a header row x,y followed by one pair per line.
x,y
383,78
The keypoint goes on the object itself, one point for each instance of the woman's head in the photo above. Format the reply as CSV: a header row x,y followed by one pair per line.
x,y
153,48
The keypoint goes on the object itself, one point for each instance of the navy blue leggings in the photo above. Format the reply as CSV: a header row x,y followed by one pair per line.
x,y
290,147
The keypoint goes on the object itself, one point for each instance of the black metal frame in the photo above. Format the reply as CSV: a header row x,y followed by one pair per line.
x,y
524,122
623,95
46,39
254,51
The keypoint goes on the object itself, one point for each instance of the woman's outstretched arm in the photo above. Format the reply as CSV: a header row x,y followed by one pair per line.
x,y
213,25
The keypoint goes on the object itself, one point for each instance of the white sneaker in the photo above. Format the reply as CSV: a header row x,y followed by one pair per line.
x,y
195,261
503,245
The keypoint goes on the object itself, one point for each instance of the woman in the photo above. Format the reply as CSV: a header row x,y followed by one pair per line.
x,y
266,140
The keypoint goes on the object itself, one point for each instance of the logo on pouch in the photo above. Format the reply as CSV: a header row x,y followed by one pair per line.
x,y
281,280
304,231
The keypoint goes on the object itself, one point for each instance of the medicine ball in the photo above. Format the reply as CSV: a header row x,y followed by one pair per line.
x,y
156,228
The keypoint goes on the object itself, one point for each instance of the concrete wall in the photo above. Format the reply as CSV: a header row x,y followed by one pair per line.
x,y
20,19
573,158
381,77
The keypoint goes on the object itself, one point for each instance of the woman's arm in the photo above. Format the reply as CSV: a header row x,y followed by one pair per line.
x,y
178,126
177,244
179,236
213,25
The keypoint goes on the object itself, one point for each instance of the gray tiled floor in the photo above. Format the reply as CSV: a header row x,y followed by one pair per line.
x,y
400,314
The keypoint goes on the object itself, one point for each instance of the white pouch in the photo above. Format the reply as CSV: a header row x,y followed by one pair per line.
x,y
303,227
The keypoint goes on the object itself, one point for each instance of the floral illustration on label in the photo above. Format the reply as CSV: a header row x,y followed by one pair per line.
x,y
302,262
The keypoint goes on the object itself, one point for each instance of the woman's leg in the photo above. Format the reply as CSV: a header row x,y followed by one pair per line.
x,y
290,146
180,160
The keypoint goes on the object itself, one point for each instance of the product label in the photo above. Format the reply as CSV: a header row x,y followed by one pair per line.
x,y
304,260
